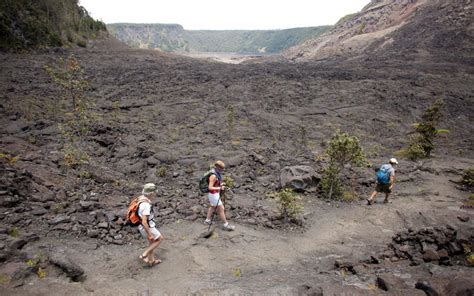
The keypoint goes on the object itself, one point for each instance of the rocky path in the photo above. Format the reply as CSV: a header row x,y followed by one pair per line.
x,y
259,260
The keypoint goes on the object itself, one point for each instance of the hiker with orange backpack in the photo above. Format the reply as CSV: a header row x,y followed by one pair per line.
x,y
385,181
215,188
140,213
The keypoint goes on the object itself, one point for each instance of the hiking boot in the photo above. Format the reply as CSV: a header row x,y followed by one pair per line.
x,y
228,227
369,202
207,222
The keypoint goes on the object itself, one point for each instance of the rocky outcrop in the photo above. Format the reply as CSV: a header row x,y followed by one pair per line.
x,y
402,28
299,178
439,245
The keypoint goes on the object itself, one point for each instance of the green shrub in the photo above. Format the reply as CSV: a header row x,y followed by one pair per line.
x,y
331,184
4,279
413,152
14,232
422,144
228,181
349,196
288,202
161,172
342,150
81,43
70,36
468,177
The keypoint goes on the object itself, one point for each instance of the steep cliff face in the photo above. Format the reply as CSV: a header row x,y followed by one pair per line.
x,y
38,23
406,28
171,37
166,37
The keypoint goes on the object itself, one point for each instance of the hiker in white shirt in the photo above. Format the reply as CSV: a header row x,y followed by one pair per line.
x,y
148,227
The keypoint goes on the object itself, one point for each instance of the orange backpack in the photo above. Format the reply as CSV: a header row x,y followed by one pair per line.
x,y
132,217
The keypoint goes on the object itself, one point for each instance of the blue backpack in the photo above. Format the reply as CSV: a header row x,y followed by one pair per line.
x,y
383,175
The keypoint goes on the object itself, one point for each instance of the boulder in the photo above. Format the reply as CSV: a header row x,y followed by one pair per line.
x,y
426,287
463,218
234,161
72,270
152,161
382,283
299,178
443,254
92,233
39,211
348,265
430,255
103,225
60,219
309,290
462,286
86,205
454,248
19,276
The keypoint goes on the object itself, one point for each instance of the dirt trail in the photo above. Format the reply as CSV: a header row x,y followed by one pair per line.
x,y
255,260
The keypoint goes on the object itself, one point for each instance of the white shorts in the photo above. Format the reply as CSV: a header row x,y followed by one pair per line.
x,y
213,198
156,233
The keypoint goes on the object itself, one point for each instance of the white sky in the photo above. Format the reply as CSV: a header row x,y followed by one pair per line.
x,y
223,14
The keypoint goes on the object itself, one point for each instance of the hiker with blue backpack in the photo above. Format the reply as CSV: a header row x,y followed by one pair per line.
x,y
213,185
385,181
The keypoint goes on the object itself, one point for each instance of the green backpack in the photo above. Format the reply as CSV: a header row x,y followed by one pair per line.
x,y
204,182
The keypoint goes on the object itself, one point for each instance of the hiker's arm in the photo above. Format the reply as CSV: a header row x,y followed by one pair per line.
x,y
147,227
392,181
212,180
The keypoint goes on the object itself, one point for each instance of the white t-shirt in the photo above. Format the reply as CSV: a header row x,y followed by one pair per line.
x,y
390,168
145,210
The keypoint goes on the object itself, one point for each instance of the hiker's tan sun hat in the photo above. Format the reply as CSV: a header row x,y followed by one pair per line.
x,y
149,188
220,164
393,160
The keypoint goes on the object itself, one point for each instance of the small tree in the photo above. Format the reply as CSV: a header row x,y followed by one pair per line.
x,y
342,149
288,202
422,143
74,127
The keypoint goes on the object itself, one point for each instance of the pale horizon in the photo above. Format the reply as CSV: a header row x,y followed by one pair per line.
x,y
214,15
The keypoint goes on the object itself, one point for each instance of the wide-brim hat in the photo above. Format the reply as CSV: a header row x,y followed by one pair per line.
x,y
149,188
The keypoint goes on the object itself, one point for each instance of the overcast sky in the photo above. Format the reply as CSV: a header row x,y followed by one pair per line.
x,y
224,15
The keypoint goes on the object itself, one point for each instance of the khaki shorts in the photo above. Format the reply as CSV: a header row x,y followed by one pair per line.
x,y
156,233
385,188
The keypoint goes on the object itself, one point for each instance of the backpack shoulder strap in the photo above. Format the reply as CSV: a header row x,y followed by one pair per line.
x,y
143,198
140,200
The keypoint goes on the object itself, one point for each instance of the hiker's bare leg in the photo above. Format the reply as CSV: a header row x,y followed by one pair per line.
x,y
220,211
374,194
210,211
386,197
149,252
